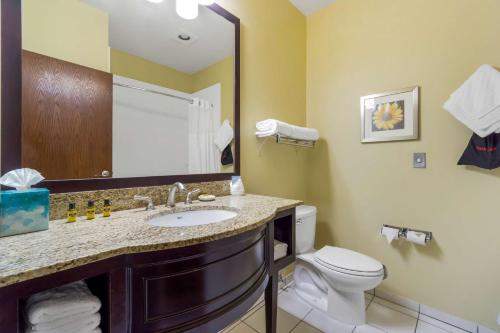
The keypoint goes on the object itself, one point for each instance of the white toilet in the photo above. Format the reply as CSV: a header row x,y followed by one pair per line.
x,y
332,279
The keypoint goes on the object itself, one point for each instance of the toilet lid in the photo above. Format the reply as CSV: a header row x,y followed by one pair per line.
x,y
348,262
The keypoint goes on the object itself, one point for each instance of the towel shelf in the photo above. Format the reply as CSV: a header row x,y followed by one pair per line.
x,y
288,141
283,231
293,142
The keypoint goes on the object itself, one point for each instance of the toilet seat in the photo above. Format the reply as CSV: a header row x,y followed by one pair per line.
x,y
348,262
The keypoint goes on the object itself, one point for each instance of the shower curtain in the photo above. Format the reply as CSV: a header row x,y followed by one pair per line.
x,y
203,154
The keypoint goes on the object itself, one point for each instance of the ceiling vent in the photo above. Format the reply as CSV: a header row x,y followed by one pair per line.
x,y
184,37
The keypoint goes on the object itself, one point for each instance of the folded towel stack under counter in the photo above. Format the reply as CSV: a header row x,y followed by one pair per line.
x,y
280,250
70,308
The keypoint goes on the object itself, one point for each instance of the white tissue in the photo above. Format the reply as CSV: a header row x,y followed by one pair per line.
x,y
21,179
416,237
390,233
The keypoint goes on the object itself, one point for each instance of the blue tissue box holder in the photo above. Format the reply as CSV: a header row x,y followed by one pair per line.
x,y
23,211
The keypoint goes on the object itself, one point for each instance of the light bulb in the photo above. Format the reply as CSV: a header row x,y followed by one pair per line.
x,y
187,9
206,2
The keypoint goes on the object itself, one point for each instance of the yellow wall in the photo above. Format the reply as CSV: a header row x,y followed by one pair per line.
x,y
128,65
125,64
221,72
273,38
359,47
49,30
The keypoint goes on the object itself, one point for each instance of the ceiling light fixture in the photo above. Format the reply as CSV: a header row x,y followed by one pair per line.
x,y
155,1
187,9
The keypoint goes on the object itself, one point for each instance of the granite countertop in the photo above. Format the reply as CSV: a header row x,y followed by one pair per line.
x,y
65,246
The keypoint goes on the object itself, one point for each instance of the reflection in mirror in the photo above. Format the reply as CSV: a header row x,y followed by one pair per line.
x,y
126,88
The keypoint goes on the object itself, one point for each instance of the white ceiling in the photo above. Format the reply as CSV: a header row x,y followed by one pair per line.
x,y
308,7
150,31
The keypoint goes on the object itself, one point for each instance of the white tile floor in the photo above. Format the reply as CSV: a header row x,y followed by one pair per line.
x,y
296,316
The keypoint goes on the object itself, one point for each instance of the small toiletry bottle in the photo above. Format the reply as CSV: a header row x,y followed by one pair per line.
x,y
71,213
90,210
106,211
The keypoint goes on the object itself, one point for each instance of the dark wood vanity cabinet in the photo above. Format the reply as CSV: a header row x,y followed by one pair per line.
x,y
198,288
178,290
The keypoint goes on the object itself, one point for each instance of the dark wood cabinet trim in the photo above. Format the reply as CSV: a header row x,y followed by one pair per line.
x,y
11,84
11,62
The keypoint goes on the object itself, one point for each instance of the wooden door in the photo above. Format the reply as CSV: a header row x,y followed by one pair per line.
x,y
66,118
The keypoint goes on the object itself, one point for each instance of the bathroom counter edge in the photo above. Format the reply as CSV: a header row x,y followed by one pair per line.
x,y
65,246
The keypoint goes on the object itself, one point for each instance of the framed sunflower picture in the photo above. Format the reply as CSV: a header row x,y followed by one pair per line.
x,y
390,116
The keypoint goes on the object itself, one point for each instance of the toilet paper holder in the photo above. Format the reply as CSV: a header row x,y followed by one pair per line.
x,y
404,231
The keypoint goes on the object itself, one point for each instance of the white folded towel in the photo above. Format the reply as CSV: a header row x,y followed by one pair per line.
x,y
272,127
280,249
477,102
65,301
70,324
95,330
224,135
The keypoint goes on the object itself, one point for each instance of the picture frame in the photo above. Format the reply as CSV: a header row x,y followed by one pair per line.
x,y
390,116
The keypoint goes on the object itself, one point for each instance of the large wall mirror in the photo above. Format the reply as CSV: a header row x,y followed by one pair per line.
x,y
118,93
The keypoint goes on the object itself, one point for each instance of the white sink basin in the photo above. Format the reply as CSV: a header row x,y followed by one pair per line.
x,y
192,218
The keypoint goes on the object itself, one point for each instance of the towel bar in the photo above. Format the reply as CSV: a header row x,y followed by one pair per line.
x,y
293,142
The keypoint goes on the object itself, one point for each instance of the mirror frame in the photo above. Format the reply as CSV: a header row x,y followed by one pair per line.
x,y
11,103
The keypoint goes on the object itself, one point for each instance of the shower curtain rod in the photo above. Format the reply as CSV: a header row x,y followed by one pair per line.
x,y
190,100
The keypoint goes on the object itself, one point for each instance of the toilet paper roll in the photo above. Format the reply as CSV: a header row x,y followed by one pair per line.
x,y
390,233
416,237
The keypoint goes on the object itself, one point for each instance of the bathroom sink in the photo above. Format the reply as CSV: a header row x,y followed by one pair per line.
x,y
192,218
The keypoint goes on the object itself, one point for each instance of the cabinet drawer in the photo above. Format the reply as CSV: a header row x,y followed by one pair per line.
x,y
172,293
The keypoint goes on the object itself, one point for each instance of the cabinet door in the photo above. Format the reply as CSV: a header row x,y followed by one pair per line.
x,y
66,118
176,295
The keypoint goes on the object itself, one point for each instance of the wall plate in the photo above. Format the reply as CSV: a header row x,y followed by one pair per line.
x,y
420,160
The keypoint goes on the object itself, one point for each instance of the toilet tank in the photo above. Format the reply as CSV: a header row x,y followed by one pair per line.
x,y
305,229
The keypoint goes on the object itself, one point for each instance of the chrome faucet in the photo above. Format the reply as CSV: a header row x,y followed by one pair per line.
x,y
189,196
150,205
173,192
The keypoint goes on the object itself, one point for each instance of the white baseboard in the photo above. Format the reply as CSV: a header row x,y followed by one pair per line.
x,y
432,313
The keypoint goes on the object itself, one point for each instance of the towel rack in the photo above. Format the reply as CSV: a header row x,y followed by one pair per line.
x,y
293,142
288,141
